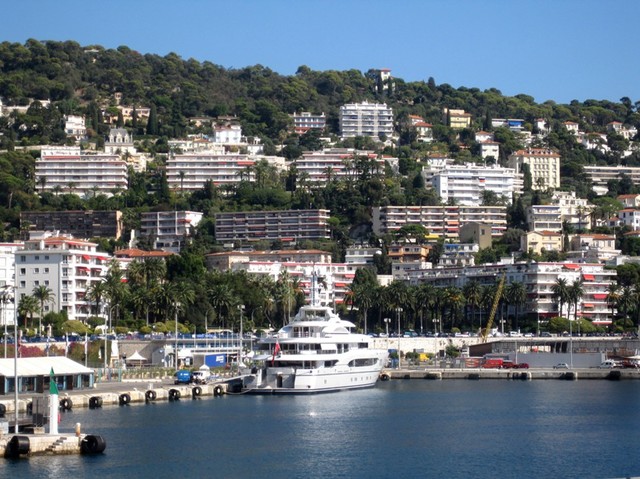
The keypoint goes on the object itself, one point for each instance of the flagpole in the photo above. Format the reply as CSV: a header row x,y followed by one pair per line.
x,y
53,404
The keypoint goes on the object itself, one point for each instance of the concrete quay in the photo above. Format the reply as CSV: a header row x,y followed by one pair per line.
x,y
41,444
526,374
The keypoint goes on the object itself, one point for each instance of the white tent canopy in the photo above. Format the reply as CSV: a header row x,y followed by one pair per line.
x,y
136,357
42,366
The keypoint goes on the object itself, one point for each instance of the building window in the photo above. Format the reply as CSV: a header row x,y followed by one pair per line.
x,y
23,284
37,258
36,283
36,270
23,271
46,270
46,257
46,282
23,259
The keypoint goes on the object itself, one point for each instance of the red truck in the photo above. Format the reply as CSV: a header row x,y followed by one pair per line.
x,y
493,363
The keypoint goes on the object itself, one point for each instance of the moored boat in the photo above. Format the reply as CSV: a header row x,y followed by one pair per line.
x,y
316,352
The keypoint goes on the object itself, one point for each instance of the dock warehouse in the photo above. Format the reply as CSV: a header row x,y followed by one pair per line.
x,y
34,374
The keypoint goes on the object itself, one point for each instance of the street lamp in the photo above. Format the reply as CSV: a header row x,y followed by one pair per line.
x,y
175,352
570,344
398,311
241,308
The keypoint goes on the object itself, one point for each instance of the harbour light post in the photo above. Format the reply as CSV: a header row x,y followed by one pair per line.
x,y
386,323
5,299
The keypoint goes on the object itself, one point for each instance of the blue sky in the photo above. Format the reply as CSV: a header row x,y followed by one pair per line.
x,y
557,50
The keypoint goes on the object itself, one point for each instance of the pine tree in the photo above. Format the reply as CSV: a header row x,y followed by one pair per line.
x,y
152,124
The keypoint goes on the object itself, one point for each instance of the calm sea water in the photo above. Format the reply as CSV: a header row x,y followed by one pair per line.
x,y
400,429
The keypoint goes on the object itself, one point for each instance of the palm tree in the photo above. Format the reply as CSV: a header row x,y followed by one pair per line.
x,y
613,296
516,294
626,301
27,307
221,298
453,300
96,293
363,299
424,299
575,292
43,295
473,296
560,292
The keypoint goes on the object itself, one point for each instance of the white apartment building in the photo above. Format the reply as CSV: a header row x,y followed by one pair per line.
x,y
190,172
544,165
444,221
335,163
466,183
630,217
305,121
7,282
284,225
337,277
74,127
361,256
67,169
458,254
600,175
66,266
228,134
575,211
490,149
544,218
541,277
169,229
366,119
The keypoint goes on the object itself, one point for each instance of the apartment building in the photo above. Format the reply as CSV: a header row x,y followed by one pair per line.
x,y
74,127
594,248
305,121
335,163
66,266
630,217
457,119
544,218
190,172
284,225
538,279
366,119
337,277
543,163
228,134
537,241
225,260
7,280
69,170
490,149
170,230
573,210
600,175
465,184
361,256
79,224
458,254
541,277
444,221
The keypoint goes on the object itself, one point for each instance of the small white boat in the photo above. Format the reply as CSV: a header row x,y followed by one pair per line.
x,y
316,352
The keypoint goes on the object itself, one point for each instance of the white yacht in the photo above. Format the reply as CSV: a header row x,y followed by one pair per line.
x,y
316,352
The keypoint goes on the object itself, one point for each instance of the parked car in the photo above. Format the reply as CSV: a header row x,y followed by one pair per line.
x,y
561,366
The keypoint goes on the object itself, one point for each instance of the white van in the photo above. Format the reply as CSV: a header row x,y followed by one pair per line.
x,y
608,364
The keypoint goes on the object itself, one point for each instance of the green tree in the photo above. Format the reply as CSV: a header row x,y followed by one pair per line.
x,y
44,295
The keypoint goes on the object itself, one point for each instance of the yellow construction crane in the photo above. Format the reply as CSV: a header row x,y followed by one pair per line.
x,y
494,308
